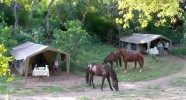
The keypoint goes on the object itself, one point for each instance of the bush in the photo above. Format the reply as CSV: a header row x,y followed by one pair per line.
x,y
6,37
35,34
71,40
4,70
179,51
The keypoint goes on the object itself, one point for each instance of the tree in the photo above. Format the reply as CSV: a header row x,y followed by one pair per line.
x,y
24,3
71,40
159,11
4,70
46,19
6,37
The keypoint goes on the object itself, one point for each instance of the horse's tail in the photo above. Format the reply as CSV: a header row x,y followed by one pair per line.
x,y
87,74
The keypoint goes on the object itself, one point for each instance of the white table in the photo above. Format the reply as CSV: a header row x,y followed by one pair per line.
x,y
41,71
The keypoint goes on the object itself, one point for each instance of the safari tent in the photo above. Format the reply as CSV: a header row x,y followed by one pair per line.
x,y
142,42
28,54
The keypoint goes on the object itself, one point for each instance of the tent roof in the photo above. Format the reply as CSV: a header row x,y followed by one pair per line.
x,y
29,48
139,38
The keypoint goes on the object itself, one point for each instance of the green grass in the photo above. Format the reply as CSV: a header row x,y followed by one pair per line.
x,y
152,69
180,81
82,98
179,51
95,53
53,89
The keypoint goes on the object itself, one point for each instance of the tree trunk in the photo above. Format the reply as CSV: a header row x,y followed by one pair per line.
x,y
46,19
16,19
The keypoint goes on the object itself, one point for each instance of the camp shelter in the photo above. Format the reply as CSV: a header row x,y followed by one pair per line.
x,y
29,54
142,42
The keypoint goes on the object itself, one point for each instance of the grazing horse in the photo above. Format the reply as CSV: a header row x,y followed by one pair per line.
x,y
105,71
131,56
112,57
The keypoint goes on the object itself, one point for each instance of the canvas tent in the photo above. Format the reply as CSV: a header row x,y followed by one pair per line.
x,y
28,54
142,42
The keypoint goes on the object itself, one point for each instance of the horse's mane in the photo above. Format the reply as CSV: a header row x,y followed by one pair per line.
x,y
108,56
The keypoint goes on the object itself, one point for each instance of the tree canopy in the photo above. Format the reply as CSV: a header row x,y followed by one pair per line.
x,y
158,11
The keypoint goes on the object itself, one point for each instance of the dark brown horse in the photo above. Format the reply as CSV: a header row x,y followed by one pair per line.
x,y
131,56
101,70
112,57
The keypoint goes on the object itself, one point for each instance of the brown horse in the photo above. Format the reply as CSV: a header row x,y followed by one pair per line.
x,y
131,56
101,70
112,57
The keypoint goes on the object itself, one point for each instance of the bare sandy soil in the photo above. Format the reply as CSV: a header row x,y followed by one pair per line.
x,y
144,90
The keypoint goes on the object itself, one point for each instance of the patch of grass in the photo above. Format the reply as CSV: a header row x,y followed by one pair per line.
x,y
6,89
154,87
180,81
179,51
52,89
127,94
16,88
152,69
82,98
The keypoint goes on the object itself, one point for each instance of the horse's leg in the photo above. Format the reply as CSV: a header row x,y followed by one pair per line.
x,y
135,62
109,83
120,62
117,64
103,79
90,80
140,63
93,82
111,64
125,67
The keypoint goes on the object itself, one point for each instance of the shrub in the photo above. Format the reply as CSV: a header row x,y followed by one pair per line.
x,y
4,70
6,37
179,51
71,40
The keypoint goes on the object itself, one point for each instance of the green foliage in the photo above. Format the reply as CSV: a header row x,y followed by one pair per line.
x,y
34,34
99,25
175,35
161,11
71,40
91,53
4,70
6,37
179,51
6,14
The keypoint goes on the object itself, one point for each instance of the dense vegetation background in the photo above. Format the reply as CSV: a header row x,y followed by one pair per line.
x,y
76,26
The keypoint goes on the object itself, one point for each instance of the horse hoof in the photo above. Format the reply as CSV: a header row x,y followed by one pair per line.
x,y
140,70
116,69
125,71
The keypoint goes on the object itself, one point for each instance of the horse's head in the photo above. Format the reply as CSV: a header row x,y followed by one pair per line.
x,y
121,51
105,61
118,51
115,84
114,80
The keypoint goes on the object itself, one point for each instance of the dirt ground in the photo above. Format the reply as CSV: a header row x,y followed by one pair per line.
x,y
156,89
